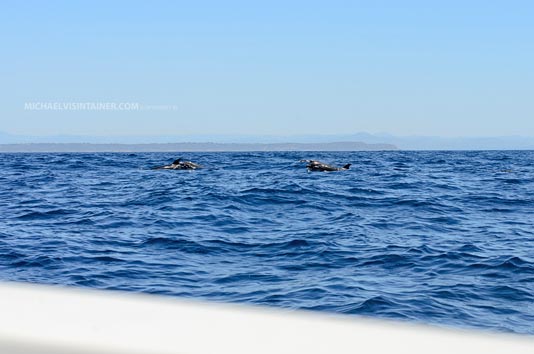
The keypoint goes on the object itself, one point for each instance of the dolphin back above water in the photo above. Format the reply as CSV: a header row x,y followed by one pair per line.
x,y
178,164
318,166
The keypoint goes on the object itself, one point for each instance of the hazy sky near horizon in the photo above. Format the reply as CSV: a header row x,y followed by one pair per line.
x,y
454,68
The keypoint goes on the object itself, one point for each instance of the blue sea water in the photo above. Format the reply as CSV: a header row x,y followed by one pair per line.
x,y
435,237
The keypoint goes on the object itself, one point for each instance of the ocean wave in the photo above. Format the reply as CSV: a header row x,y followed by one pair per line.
x,y
436,237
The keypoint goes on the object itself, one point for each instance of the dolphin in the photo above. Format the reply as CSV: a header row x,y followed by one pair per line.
x,y
178,164
318,166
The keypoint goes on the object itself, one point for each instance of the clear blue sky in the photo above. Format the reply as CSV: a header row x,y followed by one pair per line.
x,y
450,68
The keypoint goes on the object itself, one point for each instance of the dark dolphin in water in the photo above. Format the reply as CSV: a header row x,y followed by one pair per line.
x,y
318,166
178,164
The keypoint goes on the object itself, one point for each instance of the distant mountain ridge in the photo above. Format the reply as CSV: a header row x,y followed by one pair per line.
x,y
192,147
385,141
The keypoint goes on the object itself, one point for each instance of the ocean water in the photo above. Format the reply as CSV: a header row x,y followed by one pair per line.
x,y
436,237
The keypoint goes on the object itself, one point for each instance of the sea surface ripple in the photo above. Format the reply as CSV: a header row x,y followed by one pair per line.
x,y
436,237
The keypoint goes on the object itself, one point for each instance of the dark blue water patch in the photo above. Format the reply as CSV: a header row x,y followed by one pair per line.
x,y
436,237
43,215
39,261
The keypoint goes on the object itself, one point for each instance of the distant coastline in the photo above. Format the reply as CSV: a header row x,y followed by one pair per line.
x,y
195,147
336,142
